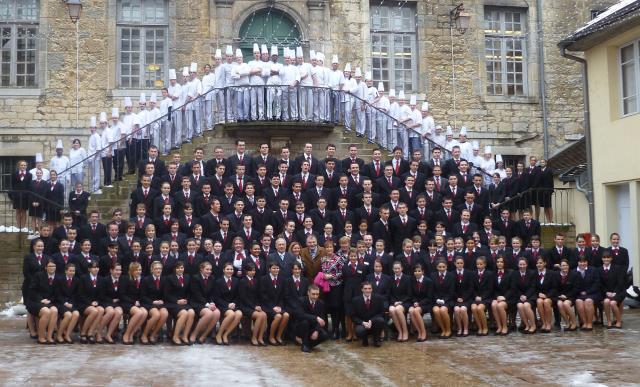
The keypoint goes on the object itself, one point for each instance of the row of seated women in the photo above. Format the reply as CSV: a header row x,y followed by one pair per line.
x,y
198,302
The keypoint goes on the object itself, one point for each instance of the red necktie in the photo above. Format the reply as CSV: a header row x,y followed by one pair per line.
x,y
441,279
66,259
377,169
274,282
459,277
115,284
397,281
298,284
69,280
257,262
93,282
480,276
186,195
190,259
240,185
145,193
563,279
353,268
367,303
181,281
158,283
137,283
377,278
93,227
541,276
229,283
39,258
50,281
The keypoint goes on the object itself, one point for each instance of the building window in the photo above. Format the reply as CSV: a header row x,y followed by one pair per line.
x,y
143,27
18,42
393,45
630,77
505,32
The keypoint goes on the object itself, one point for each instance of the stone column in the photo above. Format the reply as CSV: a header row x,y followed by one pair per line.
x,y
224,13
318,26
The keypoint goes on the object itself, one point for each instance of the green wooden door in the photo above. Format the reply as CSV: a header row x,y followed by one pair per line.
x,y
268,26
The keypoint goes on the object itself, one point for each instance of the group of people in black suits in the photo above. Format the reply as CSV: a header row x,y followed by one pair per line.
x,y
277,246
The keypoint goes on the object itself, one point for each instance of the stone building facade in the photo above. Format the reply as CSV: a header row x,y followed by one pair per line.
x,y
409,45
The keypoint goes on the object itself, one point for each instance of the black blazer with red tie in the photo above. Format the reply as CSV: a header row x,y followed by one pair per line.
x,y
150,292
620,257
292,293
382,287
400,291
87,292
40,289
370,170
248,295
66,293
483,287
504,286
190,267
549,284
225,295
174,291
137,196
525,286
444,289
30,267
401,231
108,293
614,281
271,295
131,292
201,293
422,293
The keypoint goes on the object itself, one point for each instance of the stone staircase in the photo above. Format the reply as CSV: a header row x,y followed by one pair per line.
x,y
278,134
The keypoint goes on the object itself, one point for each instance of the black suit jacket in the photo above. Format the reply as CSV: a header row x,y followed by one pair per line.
x,y
361,313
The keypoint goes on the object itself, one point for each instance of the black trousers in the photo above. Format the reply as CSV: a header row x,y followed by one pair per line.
x,y
131,155
118,163
377,324
106,167
304,329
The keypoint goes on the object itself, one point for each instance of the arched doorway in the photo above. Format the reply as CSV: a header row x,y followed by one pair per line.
x,y
268,26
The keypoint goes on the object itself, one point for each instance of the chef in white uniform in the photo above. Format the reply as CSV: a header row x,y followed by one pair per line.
x,y
228,84
153,116
393,124
243,95
208,81
93,150
380,116
165,125
40,166
306,83
336,81
371,96
175,93
60,163
290,78
427,130
348,87
274,93
256,81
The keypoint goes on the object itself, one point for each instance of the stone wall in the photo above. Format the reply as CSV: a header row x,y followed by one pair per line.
x,y
14,246
197,27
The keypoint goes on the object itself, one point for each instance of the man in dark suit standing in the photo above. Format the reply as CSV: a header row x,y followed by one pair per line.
x,y
78,203
375,168
451,166
308,156
353,158
310,319
240,157
400,165
368,312
159,165
218,159
143,194
264,158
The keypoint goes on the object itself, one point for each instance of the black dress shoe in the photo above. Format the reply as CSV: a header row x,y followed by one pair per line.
x,y
306,349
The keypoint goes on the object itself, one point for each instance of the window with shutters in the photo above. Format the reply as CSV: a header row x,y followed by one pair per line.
x,y
19,21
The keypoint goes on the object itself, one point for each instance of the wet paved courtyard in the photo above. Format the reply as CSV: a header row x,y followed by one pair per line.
x,y
602,357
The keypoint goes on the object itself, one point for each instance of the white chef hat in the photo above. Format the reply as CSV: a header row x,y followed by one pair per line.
x,y
229,50
320,56
358,72
238,53
128,102
264,49
218,54
312,54
475,144
256,48
143,98
39,158
347,67
154,97
59,144
413,100
115,113
425,106
274,50
401,95
449,131
136,120
380,86
299,53
286,53
438,127
487,149
463,131
368,76
103,117
334,59
194,67
499,159
92,122
185,71
392,93
172,74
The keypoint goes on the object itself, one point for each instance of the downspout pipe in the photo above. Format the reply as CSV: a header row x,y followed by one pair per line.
x,y
542,79
587,135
